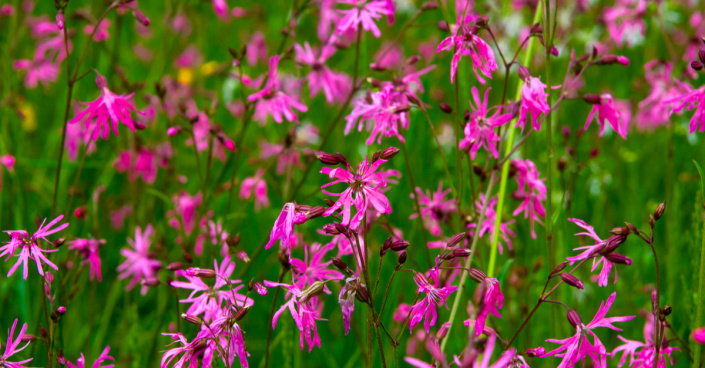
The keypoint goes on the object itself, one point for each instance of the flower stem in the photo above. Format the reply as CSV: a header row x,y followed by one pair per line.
x,y
657,324
271,316
418,207
701,287
549,133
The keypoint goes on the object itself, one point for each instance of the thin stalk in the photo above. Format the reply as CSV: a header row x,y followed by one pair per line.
x,y
509,150
418,207
198,161
657,324
271,316
701,289
549,133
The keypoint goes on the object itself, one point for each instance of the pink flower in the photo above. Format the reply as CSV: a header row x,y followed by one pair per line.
x,y
284,225
578,347
363,12
208,298
533,101
221,9
488,224
256,49
595,251
625,21
363,190
653,111
29,246
699,335
688,100
346,298
469,44
77,136
531,191
305,316
258,186
435,209
143,163
11,347
271,100
491,302
480,131
185,206
383,113
115,107
139,264
118,216
81,362
7,10
9,162
229,334
206,133
38,70
606,110
88,249
435,295
645,357
101,34
314,269
335,86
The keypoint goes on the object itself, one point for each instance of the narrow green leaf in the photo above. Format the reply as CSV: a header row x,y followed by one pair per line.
x,y
503,271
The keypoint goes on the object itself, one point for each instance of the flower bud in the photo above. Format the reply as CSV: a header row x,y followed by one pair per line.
x,y
458,253
402,258
361,293
456,239
152,281
612,243
620,231
202,273
652,222
172,131
330,229
315,212
661,208
623,60
429,5
618,259
60,20
341,265
571,280
28,338
377,67
536,352
442,26
631,227
58,242
284,260
188,258
413,60
443,331
574,318
388,153
313,290
666,310
229,145
241,313
342,229
477,275
696,65
241,255
699,335
399,245
592,99
536,28
174,266
141,17
558,269
328,202
233,240
61,311
524,73
386,246
341,158
191,319
327,158
562,163
446,108
80,213
42,331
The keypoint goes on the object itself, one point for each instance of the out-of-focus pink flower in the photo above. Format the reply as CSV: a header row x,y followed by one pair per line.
x,y
435,209
363,189
688,100
41,70
699,335
578,347
492,300
595,252
206,133
363,12
304,311
139,264
469,44
81,362
117,217
9,162
645,357
220,7
190,58
7,10
101,34
653,111
531,191
533,101
480,131
606,110
256,49
143,163
335,86
435,295
185,206
29,246
88,249
625,21
117,108
77,136
488,224
257,186
180,24
11,347
272,100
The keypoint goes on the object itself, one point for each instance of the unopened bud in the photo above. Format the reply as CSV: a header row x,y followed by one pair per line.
x,y
388,153
61,311
342,229
631,227
536,352
233,240
386,246
536,28
141,17
620,231
361,293
477,275
241,255
402,258
28,338
429,5
413,60
592,99
456,239
661,207
594,152
623,60
59,242
443,331
574,318
442,26
666,310
377,67
562,163
399,245
172,131
152,281
618,259
60,20
202,273
524,72
80,213
613,242
652,222
558,269
328,202
339,156
458,253
42,331
696,65
327,158
571,280
315,289
191,319
701,54
330,229
241,313
188,258
315,212
446,108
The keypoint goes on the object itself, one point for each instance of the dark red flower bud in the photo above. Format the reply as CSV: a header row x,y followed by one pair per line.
x,y
565,131
341,158
342,229
701,55
399,245
594,152
446,108
327,158
574,318
666,310
233,241
559,268
388,153
402,258
696,65
620,231
339,264
592,99
536,352
477,275
43,331
459,253
80,212
413,60
571,280
386,246
443,26
562,163
536,28
618,259
174,266
241,313
377,67
329,202
361,293
456,239
524,72
141,17
28,338
58,242
188,258
661,207
443,331
330,229
152,281
375,157
315,212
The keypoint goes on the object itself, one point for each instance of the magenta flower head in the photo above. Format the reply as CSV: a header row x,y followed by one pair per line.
x,y
625,21
29,246
38,70
335,86
469,44
578,347
220,7
435,208
364,188
272,100
11,347
185,206
688,100
81,362
139,263
435,295
117,108
642,354
383,113
363,12
303,307
480,131
605,109
531,191
491,301
283,228
594,252
88,249
99,34
533,101
255,186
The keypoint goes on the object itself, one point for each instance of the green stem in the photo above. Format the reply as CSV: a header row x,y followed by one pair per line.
x,y
549,143
505,167
271,316
416,202
697,355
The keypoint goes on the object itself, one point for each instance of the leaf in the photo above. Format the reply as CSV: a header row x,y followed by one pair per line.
x,y
159,195
702,177
503,271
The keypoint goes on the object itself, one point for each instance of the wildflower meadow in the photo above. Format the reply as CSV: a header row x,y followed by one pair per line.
x,y
352,183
